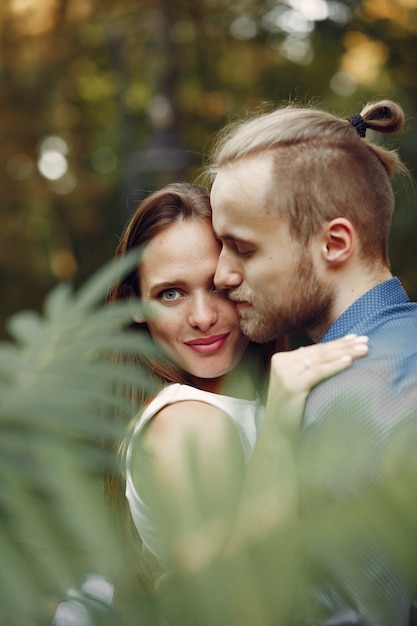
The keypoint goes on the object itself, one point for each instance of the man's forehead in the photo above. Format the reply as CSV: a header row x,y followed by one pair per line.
x,y
225,217
242,226
237,214
245,180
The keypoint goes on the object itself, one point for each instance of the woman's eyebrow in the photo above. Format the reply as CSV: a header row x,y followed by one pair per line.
x,y
166,284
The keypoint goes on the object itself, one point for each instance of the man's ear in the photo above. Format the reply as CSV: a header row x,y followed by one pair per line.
x,y
339,241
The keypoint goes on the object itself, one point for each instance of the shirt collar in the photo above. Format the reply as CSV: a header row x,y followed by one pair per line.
x,y
385,294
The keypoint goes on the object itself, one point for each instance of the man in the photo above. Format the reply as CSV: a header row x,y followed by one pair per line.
x,y
302,204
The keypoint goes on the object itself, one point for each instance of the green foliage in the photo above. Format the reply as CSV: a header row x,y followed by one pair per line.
x,y
58,436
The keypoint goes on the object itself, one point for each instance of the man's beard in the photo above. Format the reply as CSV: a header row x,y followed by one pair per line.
x,y
303,307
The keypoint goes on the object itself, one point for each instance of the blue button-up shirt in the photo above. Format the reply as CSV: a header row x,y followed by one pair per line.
x,y
359,434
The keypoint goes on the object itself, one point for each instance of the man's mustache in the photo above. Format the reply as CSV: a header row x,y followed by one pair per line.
x,y
240,294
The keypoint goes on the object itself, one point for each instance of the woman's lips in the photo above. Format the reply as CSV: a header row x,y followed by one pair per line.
x,y
208,345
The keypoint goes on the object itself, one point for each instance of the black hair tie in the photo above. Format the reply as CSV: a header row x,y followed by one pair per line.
x,y
359,123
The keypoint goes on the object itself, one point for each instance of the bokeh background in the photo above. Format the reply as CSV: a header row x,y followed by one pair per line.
x,y
104,100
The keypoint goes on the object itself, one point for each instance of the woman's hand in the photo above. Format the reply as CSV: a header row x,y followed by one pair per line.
x,y
294,373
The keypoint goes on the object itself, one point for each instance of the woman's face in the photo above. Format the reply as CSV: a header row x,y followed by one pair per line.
x,y
194,323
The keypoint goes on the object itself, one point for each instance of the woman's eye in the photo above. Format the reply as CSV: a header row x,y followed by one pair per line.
x,y
169,294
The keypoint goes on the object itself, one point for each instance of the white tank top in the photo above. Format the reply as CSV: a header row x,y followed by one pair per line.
x,y
247,415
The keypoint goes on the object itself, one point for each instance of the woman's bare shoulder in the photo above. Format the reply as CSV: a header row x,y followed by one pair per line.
x,y
187,417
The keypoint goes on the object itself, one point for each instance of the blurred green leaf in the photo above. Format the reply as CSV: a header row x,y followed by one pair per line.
x,y
57,416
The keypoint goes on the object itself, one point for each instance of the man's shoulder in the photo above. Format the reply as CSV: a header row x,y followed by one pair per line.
x,y
384,308
393,333
397,319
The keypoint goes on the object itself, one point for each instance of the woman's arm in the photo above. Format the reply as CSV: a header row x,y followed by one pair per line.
x,y
270,494
188,467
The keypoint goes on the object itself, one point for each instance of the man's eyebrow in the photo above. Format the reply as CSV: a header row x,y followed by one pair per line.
x,y
235,238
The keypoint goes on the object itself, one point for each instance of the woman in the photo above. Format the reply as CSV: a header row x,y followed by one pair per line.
x,y
209,412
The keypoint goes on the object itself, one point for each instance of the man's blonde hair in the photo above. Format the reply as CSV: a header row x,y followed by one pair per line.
x,y
323,168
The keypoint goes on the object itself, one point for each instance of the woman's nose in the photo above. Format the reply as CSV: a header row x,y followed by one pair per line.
x,y
204,312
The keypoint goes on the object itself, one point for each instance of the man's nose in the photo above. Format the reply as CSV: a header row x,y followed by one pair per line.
x,y
227,275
